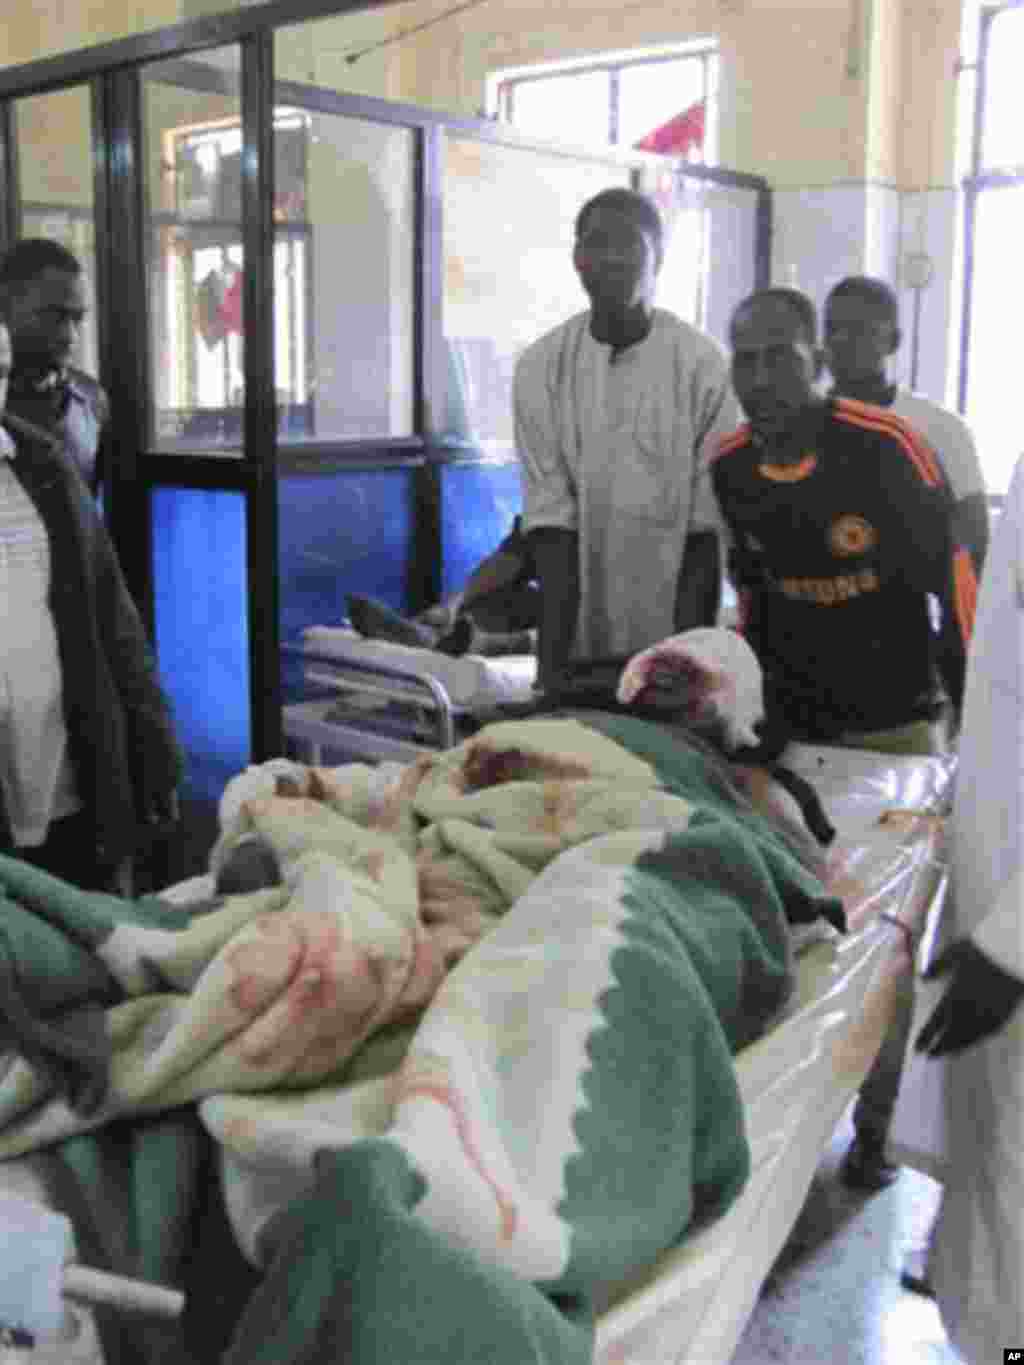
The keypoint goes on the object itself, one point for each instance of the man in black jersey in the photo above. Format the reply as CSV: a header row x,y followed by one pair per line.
x,y
841,526
841,523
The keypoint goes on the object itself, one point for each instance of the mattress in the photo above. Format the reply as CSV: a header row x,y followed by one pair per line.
x,y
692,1305
471,681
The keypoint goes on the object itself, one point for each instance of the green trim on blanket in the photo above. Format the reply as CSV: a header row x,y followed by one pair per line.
x,y
354,1275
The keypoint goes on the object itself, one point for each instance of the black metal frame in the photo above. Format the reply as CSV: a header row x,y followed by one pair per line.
x,y
112,71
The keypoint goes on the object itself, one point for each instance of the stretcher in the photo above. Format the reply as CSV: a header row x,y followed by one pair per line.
x,y
692,1304
387,701
798,1080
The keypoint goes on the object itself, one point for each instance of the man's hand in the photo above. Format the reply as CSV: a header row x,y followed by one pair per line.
x,y
978,1001
443,615
163,815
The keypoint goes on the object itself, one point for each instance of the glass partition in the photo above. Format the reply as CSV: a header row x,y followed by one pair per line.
x,y
343,279
191,116
509,215
711,244
54,141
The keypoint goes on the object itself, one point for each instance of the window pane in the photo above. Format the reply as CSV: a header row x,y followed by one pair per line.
x,y
997,298
1003,145
573,108
193,187
653,92
509,215
343,280
54,138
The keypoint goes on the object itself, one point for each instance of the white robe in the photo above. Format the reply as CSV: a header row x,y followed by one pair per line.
x,y
978,1250
949,436
618,451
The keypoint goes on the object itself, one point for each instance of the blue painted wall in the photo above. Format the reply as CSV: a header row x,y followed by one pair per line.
x,y
348,531
202,641
478,505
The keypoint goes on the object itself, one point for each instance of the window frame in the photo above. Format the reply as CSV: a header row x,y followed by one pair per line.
x,y
976,182
706,52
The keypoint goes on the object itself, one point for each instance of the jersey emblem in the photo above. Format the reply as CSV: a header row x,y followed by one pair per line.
x,y
851,535
789,473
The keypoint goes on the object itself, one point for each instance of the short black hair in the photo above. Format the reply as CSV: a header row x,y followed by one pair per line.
x,y
873,290
633,204
29,257
794,299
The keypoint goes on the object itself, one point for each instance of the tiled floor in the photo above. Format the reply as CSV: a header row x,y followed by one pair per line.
x,y
834,1297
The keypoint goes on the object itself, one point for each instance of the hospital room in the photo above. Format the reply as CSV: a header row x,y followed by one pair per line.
x,y
511,736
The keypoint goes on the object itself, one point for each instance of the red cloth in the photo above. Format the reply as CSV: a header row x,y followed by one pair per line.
x,y
231,308
677,136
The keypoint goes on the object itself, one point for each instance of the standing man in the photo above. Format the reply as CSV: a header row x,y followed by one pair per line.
x,y
977,1257
42,294
842,527
842,530
88,761
617,412
862,330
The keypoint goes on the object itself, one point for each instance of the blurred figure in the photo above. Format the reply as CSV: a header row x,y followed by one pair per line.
x,y
42,295
977,1256
617,412
496,612
861,332
88,764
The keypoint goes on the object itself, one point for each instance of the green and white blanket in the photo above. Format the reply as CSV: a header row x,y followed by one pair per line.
x,y
472,1064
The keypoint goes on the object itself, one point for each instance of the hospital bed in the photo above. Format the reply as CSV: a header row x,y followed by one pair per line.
x,y
692,1304
377,700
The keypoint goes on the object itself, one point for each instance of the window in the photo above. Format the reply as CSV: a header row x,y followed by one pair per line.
x,y
994,221
661,101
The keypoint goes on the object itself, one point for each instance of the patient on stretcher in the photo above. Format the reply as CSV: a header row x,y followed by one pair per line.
x,y
495,614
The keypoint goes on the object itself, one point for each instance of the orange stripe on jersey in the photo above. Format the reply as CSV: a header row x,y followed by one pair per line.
x,y
733,441
920,454
965,592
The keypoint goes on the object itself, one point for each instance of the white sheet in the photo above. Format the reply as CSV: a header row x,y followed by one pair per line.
x,y
471,681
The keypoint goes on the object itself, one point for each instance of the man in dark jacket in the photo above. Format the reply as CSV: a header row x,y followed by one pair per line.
x,y
88,759
43,297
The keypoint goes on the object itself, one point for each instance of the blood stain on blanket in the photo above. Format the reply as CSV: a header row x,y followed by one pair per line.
x,y
317,992
374,863
559,807
487,767
419,1077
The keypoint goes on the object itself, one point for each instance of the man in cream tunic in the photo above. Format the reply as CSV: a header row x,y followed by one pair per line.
x,y
617,413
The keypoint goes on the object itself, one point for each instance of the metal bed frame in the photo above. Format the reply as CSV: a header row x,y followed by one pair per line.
x,y
431,719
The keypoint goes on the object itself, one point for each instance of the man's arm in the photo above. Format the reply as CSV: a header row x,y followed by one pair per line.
x,y
971,527
501,569
716,415
549,517
557,557
699,588
923,550
971,532
101,470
